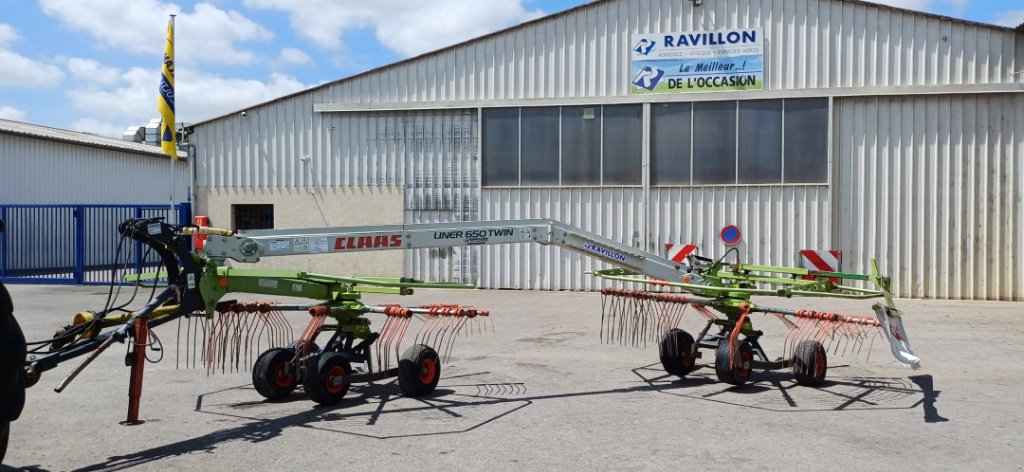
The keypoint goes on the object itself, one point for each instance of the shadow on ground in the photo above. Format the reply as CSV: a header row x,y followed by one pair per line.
x,y
471,401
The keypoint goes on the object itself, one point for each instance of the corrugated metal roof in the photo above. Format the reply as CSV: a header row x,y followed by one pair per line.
x,y
82,139
552,16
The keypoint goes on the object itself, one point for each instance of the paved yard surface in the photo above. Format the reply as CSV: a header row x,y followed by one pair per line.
x,y
543,393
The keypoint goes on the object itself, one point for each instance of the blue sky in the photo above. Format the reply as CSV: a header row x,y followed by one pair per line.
x,y
93,65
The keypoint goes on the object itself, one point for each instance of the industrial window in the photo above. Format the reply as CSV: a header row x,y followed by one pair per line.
x,y
670,143
500,146
806,154
581,145
540,146
744,142
760,142
623,144
577,145
714,143
252,217
740,142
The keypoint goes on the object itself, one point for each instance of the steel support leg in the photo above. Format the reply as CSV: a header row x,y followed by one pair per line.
x,y
138,366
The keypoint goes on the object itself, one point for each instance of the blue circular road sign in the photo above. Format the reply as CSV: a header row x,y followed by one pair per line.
x,y
731,235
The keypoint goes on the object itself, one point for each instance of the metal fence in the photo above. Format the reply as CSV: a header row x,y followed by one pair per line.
x,y
74,244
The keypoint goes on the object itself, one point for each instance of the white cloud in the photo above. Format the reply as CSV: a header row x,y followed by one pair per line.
x,y
92,71
94,126
408,27
18,70
8,34
1011,18
293,56
207,34
131,99
11,113
209,96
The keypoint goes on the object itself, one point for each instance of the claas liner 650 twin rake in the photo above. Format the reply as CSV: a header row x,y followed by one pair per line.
x,y
222,335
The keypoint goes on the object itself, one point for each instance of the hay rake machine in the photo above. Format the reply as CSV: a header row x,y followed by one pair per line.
x,y
638,316
226,335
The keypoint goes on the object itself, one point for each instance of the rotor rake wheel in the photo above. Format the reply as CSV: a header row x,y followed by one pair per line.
x,y
273,376
733,368
419,369
676,352
810,363
328,384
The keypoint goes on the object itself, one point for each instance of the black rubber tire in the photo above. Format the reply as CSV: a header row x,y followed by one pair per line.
x,y
810,363
320,386
266,374
5,434
12,360
723,367
676,352
419,370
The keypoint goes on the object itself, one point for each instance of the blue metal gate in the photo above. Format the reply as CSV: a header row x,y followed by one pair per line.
x,y
73,244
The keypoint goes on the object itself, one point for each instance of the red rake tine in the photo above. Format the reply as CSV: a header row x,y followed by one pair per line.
x,y
604,312
607,318
261,331
442,329
211,343
223,341
425,327
451,339
423,323
395,325
200,343
177,345
439,329
405,327
385,332
433,318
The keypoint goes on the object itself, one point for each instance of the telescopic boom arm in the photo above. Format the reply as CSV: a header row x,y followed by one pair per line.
x,y
252,246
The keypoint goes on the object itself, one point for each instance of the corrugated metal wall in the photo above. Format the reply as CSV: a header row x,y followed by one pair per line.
x,y
56,172
776,220
584,53
810,44
615,213
264,147
442,183
932,187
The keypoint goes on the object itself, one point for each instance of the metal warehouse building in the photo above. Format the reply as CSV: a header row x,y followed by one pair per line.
x,y
63,193
43,165
819,124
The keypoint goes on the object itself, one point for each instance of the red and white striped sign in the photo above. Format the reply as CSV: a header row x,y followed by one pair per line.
x,y
677,252
826,261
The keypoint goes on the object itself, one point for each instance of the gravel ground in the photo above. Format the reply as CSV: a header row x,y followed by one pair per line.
x,y
541,392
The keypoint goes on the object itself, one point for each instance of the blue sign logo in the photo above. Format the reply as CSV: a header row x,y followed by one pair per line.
x,y
647,77
643,47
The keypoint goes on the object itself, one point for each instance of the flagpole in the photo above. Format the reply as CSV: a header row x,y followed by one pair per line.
x,y
175,158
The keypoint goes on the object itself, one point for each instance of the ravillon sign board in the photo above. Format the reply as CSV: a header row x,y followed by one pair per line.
x,y
704,61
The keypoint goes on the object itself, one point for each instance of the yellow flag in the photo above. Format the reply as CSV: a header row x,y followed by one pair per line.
x,y
165,101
